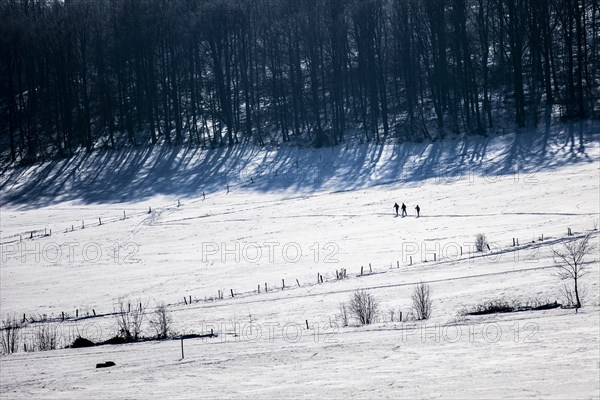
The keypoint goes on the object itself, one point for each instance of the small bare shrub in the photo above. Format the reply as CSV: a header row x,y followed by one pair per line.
x,y
45,338
364,306
10,334
344,314
569,298
161,321
421,298
480,242
129,320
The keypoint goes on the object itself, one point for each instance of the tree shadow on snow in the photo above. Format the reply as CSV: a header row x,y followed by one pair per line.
x,y
135,174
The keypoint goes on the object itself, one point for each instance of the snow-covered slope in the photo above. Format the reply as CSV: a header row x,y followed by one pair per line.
x,y
292,215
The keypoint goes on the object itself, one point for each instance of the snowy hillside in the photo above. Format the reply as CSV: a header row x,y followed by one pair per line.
x,y
247,233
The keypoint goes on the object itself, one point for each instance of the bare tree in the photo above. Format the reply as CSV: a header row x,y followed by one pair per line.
x,y
161,321
165,71
364,306
421,298
571,264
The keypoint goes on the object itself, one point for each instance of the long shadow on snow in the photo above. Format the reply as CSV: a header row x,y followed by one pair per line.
x,y
124,175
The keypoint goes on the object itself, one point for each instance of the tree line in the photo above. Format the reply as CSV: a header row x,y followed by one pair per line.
x,y
109,73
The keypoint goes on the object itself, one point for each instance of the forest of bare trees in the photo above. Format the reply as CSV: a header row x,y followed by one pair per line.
x,y
109,73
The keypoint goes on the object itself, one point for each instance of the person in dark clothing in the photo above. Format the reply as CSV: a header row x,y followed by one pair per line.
x,y
418,210
404,213
396,206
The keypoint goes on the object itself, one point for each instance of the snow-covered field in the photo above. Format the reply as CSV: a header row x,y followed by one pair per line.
x,y
292,214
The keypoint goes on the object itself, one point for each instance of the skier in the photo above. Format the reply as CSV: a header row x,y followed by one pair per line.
x,y
404,213
418,210
396,206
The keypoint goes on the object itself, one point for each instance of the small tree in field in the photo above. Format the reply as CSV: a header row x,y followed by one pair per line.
x,y
161,321
571,264
421,298
364,306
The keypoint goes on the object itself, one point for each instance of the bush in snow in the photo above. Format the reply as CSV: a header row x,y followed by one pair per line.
x,y
129,319
421,298
344,314
161,321
364,306
480,242
569,298
45,337
81,342
10,335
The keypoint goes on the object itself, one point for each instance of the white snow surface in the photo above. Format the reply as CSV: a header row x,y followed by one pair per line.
x,y
294,214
